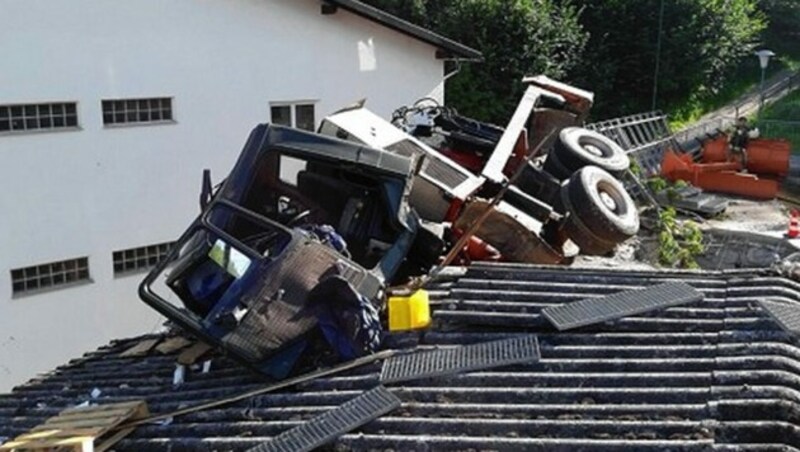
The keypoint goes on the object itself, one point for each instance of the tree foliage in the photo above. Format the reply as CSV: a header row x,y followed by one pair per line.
x,y
701,44
608,46
517,38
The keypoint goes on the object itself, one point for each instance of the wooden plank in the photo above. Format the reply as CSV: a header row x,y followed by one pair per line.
x,y
100,410
173,344
140,349
80,423
79,428
113,439
193,353
134,404
91,415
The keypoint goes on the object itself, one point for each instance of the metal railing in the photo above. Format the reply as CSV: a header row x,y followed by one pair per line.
x,y
688,138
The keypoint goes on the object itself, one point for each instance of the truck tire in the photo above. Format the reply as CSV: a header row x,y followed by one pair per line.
x,y
554,166
578,147
600,213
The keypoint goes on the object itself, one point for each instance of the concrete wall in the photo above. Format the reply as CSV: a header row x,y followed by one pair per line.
x,y
88,192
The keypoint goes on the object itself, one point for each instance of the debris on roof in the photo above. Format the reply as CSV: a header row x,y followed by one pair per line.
x,y
622,304
328,426
80,429
717,374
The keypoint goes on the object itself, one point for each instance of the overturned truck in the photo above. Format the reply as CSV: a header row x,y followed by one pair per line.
x,y
309,229
572,194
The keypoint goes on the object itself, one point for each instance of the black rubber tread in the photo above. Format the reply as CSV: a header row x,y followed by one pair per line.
x,y
555,167
588,243
584,200
621,304
573,156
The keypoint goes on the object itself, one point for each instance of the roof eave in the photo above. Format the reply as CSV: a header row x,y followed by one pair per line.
x,y
447,48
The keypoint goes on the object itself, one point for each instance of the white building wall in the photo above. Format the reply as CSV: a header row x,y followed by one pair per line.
x,y
89,192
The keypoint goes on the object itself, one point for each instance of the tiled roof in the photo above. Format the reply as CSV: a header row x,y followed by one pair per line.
x,y
716,375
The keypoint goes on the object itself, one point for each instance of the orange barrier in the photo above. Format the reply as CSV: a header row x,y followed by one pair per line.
x,y
764,156
720,177
794,228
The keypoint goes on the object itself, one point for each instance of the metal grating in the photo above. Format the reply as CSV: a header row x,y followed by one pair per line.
x,y
786,315
618,305
467,358
442,172
330,425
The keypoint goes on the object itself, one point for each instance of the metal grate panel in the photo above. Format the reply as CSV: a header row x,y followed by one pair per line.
x,y
443,173
786,315
334,423
621,304
450,361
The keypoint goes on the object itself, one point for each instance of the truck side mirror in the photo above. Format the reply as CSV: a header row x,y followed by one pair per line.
x,y
205,189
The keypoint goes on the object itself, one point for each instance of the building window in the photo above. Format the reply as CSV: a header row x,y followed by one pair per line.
x,y
142,258
137,111
36,117
294,114
55,274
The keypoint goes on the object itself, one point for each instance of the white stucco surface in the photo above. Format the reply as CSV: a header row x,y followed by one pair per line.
x,y
99,189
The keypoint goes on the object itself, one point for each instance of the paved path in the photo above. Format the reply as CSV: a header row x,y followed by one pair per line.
x,y
747,103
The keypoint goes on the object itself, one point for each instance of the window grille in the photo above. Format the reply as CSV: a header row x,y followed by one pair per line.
x,y
38,117
137,111
135,259
49,275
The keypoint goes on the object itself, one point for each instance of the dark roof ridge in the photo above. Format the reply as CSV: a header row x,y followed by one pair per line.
x,y
448,48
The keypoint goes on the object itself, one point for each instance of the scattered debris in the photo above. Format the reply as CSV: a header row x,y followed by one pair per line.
x,y
692,199
192,354
719,177
794,228
178,375
330,425
96,392
763,156
85,429
621,304
449,361
140,349
172,345
409,312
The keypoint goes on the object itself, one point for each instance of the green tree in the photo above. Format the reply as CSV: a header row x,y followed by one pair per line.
x,y
783,33
702,43
517,38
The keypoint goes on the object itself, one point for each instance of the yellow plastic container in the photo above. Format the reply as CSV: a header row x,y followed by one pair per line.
x,y
409,313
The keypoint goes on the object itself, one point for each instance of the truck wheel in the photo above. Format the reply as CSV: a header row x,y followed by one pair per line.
x,y
600,213
554,166
577,147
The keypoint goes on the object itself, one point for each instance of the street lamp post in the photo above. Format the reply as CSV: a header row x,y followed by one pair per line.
x,y
763,59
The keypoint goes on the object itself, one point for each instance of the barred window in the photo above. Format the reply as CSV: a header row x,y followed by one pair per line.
x,y
137,111
135,259
35,117
45,276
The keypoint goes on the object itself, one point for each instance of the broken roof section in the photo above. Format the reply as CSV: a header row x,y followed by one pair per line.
x,y
717,374
448,48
